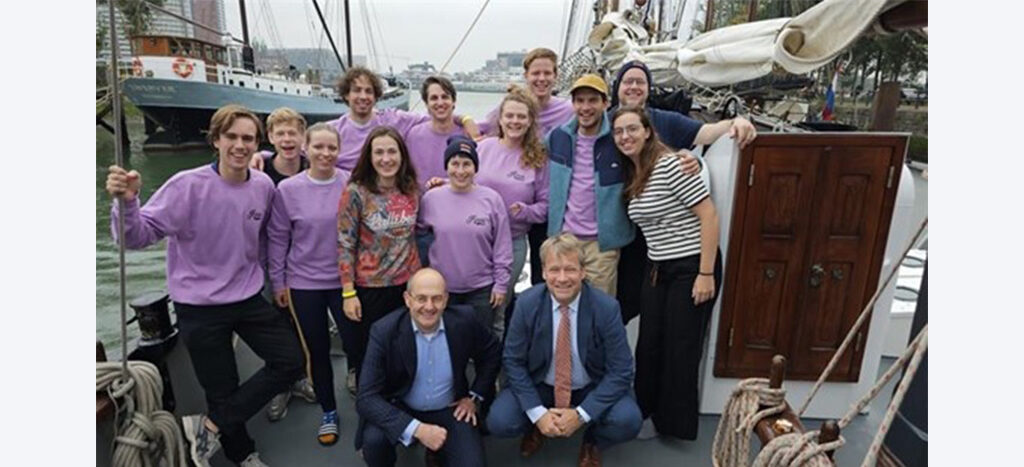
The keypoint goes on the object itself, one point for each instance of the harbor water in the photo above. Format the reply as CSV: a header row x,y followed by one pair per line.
x,y
145,268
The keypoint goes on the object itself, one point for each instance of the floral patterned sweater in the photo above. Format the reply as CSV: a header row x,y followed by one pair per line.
x,y
376,242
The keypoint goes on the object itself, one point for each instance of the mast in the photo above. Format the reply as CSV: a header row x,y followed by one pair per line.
x,y
245,22
331,39
348,35
248,60
709,19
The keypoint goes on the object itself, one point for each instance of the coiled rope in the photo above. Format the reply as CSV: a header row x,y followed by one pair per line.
x,y
796,449
731,446
144,433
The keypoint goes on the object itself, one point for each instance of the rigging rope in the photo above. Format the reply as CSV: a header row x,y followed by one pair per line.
x,y
144,434
459,46
860,320
383,45
464,36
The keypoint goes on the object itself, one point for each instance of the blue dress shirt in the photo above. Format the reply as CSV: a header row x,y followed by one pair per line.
x,y
432,385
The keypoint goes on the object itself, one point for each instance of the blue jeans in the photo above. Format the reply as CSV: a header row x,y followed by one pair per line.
x,y
423,241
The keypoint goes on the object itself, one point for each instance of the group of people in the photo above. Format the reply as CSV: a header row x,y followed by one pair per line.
x,y
410,231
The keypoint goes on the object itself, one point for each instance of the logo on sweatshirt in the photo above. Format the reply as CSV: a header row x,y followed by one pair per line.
x,y
516,175
254,215
476,220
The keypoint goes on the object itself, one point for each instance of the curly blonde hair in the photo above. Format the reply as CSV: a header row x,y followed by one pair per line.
x,y
534,154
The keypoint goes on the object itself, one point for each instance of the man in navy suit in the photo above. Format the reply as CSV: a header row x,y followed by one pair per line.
x,y
567,361
413,385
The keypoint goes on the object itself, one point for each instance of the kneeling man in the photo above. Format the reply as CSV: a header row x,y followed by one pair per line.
x,y
413,385
567,361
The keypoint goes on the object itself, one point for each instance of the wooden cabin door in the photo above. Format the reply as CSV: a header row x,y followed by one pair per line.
x,y
811,217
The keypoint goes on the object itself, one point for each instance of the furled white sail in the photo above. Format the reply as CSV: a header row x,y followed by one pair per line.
x,y
742,52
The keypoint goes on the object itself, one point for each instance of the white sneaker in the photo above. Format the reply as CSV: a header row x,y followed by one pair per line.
x,y
253,461
203,442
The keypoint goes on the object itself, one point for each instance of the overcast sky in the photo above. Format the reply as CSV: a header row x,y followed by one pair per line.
x,y
412,31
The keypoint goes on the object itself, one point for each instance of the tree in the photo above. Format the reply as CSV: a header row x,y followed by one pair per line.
x,y
101,38
137,15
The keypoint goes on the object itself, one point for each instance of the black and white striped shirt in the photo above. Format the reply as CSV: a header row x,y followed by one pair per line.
x,y
664,211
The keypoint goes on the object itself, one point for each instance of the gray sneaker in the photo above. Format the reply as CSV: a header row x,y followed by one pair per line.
x,y
350,382
203,442
647,430
304,389
278,407
253,461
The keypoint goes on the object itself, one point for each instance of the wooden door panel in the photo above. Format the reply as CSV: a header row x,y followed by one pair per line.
x,y
774,233
802,201
842,242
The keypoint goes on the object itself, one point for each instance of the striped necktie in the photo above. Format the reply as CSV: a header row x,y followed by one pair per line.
x,y
563,361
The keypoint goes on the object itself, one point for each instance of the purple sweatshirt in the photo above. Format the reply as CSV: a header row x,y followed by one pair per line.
x,y
558,111
501,171
426,149
214,232
303,233
353,135
472,245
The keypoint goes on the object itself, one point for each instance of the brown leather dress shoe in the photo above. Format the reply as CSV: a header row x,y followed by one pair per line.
x,y
432,459
589,455
531,442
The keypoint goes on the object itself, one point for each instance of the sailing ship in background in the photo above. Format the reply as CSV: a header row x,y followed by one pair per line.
x,y
809,220
179,82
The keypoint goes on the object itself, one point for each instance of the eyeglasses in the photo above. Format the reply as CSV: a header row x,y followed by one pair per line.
x,y
635,81
632,130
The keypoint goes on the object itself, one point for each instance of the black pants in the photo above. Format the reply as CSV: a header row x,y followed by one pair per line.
x,y
376,302
462,447
670,345
310,308
207,332
536,235
633,269
480,300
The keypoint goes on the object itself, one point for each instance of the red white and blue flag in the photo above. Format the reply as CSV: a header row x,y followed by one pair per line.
x,y
827,113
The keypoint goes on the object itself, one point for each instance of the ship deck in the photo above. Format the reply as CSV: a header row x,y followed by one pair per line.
x,y
292,440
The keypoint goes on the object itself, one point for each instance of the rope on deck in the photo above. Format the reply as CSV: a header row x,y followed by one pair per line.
x,y
731,446
796,449
144,434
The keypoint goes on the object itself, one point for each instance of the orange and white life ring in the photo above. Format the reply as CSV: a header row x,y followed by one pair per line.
x,y
182,67
136,66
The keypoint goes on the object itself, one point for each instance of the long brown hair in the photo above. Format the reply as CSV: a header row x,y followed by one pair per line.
x,y
652,150
364,173
534,155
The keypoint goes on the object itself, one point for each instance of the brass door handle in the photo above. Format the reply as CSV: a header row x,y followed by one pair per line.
x,y
816,273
